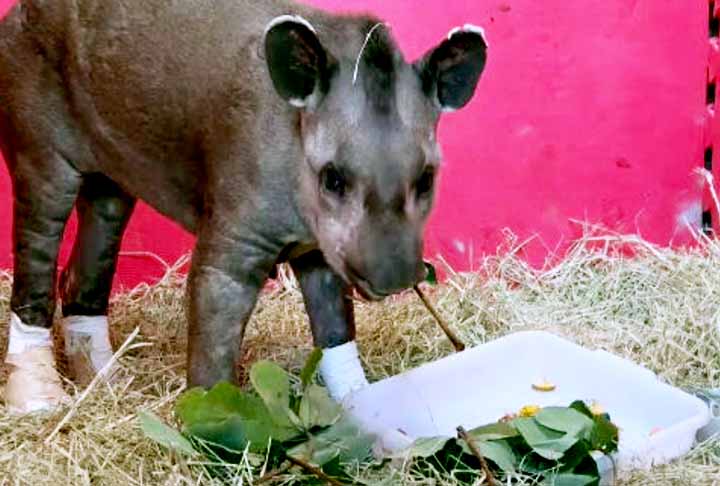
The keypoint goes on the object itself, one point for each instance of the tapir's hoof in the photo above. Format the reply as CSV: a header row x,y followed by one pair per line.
x,y
88,349
34,384
86,362
84,368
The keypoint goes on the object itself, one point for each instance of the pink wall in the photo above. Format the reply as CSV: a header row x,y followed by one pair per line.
x,y
587,110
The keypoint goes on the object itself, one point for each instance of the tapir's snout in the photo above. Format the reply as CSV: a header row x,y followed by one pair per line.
x,y
392,282
392,264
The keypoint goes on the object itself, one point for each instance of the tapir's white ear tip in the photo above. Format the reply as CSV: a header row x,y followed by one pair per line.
x,y
288,18
470,28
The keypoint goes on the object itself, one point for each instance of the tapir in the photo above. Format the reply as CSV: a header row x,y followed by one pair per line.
x,y
274,132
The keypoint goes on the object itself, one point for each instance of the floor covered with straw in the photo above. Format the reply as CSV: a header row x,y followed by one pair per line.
x,y
658,307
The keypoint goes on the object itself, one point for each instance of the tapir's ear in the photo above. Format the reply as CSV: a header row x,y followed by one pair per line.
x,y
297,61
451,71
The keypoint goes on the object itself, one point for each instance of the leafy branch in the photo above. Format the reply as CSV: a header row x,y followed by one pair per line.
x,y
555,445
289,423
300,425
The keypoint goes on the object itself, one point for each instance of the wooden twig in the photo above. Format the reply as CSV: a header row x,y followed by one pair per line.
x,y
462,434
459,345
314,470
98,378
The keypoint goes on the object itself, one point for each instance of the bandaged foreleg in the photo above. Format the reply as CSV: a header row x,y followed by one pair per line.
x,y
342,371
343,375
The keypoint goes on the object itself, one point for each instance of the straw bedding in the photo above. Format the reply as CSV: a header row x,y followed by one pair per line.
x,y
656,306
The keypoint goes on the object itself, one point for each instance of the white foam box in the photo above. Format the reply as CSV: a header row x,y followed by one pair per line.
x,y
480,385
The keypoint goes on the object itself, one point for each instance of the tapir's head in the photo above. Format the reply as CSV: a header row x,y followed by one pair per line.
x,y
368,126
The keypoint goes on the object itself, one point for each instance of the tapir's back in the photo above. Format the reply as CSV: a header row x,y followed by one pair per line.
x,y
139,64
136,87
143,90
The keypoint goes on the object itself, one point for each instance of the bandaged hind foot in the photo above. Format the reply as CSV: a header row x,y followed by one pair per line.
x,y
34,384
87,347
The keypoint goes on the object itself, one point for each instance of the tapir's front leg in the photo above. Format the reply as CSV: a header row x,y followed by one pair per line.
x,y
226,274
327,299
328,303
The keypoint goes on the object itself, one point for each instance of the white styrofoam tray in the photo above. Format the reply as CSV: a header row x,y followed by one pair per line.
x,y
481,385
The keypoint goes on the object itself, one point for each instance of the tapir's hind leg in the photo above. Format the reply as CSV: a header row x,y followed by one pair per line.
x,y
104,210
45,187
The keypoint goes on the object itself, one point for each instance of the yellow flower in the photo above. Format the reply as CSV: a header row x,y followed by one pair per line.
x,y
529,411
596,408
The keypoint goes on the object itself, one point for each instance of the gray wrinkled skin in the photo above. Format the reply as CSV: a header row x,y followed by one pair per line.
x,y
191,108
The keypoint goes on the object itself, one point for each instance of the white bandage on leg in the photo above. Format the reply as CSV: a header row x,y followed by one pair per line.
x,y
343,374
342,371
34,384
87,345
24,338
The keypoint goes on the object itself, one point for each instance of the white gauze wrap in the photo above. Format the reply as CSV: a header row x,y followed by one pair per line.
x,y
90,335
342,371
343,374
24,338
33,384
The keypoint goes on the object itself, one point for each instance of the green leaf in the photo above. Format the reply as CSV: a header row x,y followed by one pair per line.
x,y
556,448
576,458
431,276
582,407
498,452
228,417
565,420
500,430
234,434
534,465
155,429
545,442
424,447
197,405
317,409
533,432
570,480
272,383
311,366
605,435
344,441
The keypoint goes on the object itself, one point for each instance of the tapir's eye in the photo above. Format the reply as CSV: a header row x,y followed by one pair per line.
x,y
424,184
332,180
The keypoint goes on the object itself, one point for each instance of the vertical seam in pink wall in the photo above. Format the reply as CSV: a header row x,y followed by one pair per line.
x,y
710,216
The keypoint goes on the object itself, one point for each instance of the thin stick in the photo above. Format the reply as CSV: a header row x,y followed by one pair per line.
x,y
98,378
462,434
456,342
314,470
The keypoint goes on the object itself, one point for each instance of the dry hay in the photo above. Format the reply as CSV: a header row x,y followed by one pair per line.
x,y
659,307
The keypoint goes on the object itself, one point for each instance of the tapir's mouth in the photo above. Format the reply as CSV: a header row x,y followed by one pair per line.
x,y
367,293
363,287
